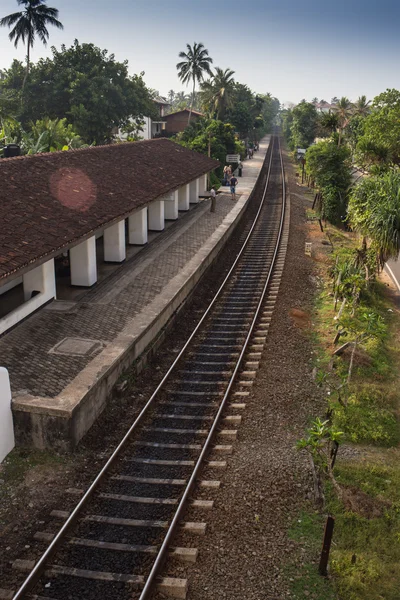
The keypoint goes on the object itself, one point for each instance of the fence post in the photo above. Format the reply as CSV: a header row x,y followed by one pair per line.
x,y
7,440
326,546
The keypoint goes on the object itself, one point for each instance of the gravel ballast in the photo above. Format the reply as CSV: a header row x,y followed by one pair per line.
x,y
267,481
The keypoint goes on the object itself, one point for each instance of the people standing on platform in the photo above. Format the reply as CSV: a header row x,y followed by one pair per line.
x,y
226,175
233,182
240,168
213,195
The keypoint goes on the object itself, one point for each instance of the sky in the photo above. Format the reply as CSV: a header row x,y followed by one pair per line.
x,y
293,49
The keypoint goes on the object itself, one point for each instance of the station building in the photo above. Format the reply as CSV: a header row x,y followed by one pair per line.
x,y
69,218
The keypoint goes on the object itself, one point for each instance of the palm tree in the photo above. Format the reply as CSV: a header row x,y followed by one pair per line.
x,y
343,110
218,92
33,20
196,62
362,107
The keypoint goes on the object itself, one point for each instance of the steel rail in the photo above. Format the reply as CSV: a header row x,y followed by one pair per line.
x,y
199,463
38,569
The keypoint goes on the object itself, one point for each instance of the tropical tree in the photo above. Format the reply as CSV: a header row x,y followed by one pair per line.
x,y
196,63
328,123
343,110
87,86
304,125
28,23
329,167
362,106
217,93
374,211
379,145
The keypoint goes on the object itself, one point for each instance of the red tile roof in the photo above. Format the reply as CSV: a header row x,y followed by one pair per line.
x,y
184,110
50,201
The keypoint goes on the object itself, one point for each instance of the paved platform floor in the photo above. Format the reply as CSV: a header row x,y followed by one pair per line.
x,y
47,352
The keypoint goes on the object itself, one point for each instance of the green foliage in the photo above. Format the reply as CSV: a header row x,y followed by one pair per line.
x,y
374,211
300,125
355,130
86,86
349,273
327,124
220,136
318,441
217,93
241,119
305,581
368,419
329,167
45,135
365,559
380,142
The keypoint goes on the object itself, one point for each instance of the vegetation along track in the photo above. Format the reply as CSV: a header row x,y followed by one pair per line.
x,y
115,541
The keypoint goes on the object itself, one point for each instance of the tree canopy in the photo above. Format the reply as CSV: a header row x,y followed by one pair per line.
x,y
87,86
380,143
374,211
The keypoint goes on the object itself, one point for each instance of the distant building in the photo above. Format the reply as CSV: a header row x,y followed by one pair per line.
x,y
324,107
151,128
178,121
154,128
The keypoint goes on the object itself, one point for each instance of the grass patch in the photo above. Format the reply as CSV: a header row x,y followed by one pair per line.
x,y
21,460
365,560
305,581
368,418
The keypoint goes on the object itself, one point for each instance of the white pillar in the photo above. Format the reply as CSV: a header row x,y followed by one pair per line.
x,y
203,184
83,265
138,227
171,206
42,280
194,191
183,197
156,215
114,242
7,441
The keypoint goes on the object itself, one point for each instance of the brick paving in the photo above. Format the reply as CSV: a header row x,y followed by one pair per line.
x,y
103,311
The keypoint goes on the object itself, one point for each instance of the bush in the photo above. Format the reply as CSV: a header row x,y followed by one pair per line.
x,y
367,419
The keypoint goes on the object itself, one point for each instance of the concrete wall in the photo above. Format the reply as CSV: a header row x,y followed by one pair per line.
x,y
7,441
42,280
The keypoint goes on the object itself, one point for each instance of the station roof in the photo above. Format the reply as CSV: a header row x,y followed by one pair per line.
x,y
48,202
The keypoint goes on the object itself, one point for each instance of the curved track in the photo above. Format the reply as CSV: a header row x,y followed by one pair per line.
x,y
117,538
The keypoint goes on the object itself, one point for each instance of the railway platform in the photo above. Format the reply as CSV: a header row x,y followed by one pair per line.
x,y
65,359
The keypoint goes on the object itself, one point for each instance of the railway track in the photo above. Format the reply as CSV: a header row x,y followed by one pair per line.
x,y
116,540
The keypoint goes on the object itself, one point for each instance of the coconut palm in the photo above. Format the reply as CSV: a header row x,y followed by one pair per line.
x,y
195,64
343,110
217,93
28,23
362,106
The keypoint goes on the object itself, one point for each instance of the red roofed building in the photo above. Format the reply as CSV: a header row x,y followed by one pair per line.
x,y
178,121
59,206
